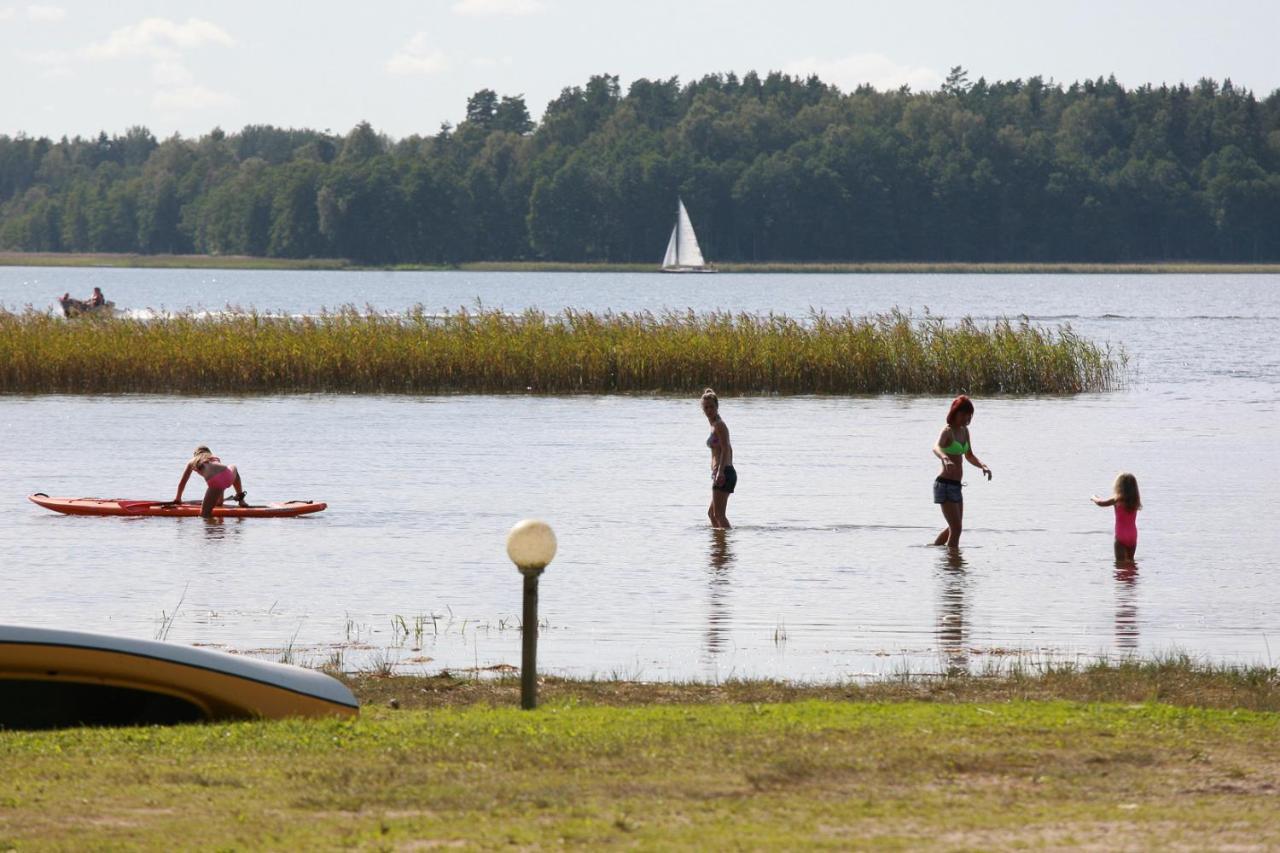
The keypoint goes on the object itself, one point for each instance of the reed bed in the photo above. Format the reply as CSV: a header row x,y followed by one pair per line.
x,y
487,351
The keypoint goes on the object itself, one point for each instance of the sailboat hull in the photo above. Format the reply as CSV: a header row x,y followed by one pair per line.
x,y
690,269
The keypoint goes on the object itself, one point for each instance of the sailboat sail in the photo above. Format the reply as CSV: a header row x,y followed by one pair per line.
x,y
672,257
682,248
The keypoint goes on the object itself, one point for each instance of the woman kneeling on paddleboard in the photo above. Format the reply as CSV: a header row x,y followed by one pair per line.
x,y
217,476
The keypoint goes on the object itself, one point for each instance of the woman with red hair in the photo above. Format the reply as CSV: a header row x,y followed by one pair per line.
x,y
953,447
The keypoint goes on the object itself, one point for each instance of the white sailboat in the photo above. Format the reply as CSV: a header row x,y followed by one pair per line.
x,y
683,254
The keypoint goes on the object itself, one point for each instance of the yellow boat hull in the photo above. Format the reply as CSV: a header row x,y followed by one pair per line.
x,y
51,678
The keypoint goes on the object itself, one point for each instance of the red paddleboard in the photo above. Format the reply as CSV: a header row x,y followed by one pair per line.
x,y
120,506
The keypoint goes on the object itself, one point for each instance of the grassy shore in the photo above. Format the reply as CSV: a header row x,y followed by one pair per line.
x,y
572,352
1173,680
972,766
106,259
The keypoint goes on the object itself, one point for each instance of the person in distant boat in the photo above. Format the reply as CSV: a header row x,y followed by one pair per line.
x,y
724,478
1127,500
70,305
217,477
953,447
97,300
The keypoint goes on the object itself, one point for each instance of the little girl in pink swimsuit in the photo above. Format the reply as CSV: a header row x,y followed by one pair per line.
x,y
217,477
1127,501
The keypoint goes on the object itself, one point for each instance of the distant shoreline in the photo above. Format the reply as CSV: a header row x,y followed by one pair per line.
x,y
245,262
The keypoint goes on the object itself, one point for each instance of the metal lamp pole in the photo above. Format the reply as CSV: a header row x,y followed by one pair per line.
x,y
531,545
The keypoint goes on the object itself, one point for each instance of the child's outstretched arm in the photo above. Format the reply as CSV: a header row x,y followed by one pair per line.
x,y
1111,501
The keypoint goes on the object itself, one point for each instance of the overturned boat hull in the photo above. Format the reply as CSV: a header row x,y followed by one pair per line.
x,y
52,678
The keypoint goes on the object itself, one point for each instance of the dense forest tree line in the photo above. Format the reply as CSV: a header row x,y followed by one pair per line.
x,y
771,168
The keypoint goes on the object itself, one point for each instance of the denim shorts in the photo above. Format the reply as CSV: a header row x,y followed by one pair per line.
x,y
947,491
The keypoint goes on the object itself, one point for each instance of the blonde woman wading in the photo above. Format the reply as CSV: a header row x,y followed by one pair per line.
x,y
723,476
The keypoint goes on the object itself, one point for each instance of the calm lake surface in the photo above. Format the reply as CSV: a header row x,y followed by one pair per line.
x,y
827,574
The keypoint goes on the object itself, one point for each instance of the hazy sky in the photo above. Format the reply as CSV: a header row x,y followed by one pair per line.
x,y
80,67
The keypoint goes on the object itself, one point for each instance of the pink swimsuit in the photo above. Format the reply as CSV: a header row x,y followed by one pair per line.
x,y
224,479
1126,526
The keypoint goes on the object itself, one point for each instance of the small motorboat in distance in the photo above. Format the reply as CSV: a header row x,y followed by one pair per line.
x,y
55,679
72,307
186,509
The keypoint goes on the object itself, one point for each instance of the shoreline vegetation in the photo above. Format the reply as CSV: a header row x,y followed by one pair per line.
x,y
248,262
488,351
1158,754
771,167
1174,679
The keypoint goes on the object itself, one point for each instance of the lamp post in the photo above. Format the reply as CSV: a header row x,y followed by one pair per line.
x,y
531,545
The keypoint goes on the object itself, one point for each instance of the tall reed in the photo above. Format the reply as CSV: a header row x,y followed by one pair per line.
x,y
488,351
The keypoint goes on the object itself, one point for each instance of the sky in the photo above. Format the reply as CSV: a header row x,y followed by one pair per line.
x,y
75,68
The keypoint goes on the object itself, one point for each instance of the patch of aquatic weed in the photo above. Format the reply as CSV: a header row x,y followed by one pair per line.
x,y
489,351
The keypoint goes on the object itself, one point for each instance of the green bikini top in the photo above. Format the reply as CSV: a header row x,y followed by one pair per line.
x,y
955,448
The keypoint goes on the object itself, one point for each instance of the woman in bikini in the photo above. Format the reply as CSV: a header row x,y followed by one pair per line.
x,y
217,477
952,449
724,478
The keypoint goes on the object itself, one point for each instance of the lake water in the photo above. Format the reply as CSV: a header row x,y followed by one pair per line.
x,y
827,574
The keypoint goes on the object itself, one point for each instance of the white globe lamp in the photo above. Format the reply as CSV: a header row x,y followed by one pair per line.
x,y
531,545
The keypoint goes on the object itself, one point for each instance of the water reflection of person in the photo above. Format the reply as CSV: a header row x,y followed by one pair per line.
x,y
953,621
719,561
216,529
1126,605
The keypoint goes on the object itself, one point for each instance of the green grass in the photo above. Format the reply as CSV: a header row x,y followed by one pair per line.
x,y
573,352
1150,754
107,259
812,773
